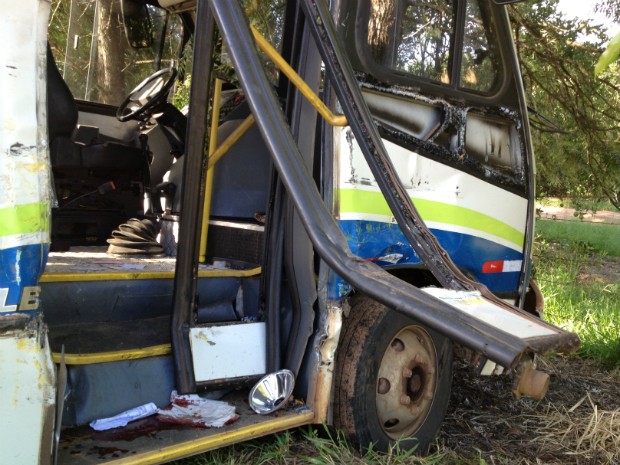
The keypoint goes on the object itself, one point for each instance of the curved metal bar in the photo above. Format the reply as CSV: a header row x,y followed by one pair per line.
x,y
297,81
350,97
330,244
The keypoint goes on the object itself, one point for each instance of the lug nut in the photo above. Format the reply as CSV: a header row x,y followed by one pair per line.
x,y
405,399
407,373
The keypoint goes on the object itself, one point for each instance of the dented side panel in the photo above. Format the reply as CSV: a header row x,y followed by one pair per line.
x,y
477,223
27,391
25,193
27,379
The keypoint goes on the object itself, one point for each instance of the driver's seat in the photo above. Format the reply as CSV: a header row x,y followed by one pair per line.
x,y
62,112
98,185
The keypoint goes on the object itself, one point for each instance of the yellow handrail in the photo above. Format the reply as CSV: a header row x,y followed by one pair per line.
x,y
215,154
206,207
315,101
230,140
306,91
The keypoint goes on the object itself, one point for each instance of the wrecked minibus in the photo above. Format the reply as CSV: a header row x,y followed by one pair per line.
x,y
339,204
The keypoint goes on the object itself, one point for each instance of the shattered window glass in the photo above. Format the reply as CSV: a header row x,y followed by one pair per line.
x,y
417,37
422,45
479,65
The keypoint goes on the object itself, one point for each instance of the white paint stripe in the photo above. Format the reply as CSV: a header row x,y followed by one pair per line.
x,y
18,240
366,217
430,180
510,266
435,225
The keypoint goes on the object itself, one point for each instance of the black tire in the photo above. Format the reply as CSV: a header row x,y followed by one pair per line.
x,y
393,378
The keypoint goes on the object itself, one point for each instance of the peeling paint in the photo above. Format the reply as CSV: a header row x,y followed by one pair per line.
x,y
28,374
453,123
331,324
205,338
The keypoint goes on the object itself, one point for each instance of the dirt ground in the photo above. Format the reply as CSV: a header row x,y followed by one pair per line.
x,y
578,422
561,213
606,270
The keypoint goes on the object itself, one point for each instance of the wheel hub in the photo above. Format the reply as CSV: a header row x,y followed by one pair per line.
x,y
406,382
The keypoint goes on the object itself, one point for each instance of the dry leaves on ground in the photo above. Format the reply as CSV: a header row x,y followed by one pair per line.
x,y
577,423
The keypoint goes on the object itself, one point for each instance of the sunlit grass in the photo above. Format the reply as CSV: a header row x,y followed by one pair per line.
x,y
319,446
602,238
574,298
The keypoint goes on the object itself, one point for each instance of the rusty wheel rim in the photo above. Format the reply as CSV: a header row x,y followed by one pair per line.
x,y
406,382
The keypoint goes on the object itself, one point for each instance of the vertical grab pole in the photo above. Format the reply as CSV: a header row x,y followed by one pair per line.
x,y
206,208
186,271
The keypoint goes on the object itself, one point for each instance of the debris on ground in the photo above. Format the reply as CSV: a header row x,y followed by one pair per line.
x,y
123,418
193,410
578,422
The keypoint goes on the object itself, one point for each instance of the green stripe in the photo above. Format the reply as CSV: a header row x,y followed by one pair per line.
x,y
362,201
24,219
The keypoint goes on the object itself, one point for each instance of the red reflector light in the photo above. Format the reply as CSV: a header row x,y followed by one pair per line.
x,y
496,266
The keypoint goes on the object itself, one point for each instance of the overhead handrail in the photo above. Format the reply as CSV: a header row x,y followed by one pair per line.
x,y
297,81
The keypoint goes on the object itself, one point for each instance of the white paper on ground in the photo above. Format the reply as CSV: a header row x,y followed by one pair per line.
x,y
125,417
193,409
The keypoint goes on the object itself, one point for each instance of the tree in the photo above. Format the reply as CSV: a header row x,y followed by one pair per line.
x,y
557,63
111,47
89,43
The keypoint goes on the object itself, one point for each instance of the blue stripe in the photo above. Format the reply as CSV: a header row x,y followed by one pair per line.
x,y
20,267
374,239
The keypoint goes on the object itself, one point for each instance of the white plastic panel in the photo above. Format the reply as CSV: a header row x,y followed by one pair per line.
x,y
501,318
229,351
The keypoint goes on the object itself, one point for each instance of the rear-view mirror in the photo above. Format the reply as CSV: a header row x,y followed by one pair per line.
x,y
138,24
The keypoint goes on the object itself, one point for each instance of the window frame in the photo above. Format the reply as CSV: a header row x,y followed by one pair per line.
x,y
85,91
393,76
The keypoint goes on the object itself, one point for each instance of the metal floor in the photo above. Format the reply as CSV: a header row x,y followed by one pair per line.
x,y
152,441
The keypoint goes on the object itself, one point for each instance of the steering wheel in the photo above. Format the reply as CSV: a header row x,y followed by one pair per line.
x,y
147,95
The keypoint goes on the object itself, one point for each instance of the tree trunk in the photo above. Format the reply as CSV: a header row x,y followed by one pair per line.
x,y
111,46
380,24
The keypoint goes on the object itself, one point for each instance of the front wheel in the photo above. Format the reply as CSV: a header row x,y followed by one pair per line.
x,y
393,378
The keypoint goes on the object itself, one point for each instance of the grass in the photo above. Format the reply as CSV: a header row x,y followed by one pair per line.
x,y
601,238
316,446
574,268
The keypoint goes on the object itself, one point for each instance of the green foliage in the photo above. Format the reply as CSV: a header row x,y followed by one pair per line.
x,y
557,57
591,205
96,61
610,55
181,92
